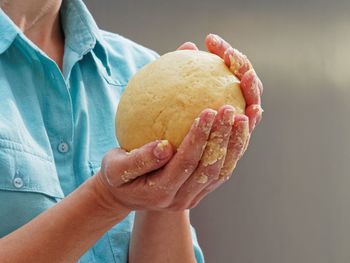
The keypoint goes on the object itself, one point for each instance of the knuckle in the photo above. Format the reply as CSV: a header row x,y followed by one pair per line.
x,y
187,164
200,137
106,165
213,171
110,159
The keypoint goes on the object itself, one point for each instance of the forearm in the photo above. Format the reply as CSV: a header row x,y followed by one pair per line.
x,y
160,237
64,232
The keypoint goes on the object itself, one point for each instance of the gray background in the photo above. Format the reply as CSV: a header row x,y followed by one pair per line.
x,y
290,202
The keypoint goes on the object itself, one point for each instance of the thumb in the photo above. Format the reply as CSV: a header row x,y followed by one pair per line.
x,y
120,167
187,46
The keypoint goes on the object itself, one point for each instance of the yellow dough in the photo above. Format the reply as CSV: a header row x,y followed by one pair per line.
x,y
163,99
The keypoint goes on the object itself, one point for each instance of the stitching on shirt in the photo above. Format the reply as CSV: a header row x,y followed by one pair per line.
x,y
110,245
15,146
32,190
109,79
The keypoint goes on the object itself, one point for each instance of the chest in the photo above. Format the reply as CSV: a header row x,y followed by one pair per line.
x,y
53,132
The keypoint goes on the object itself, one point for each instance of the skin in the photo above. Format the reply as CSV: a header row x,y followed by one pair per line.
x,y
161,184
39,20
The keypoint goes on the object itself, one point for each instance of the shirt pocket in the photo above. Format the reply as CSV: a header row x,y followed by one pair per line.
x,y
24,171
28,185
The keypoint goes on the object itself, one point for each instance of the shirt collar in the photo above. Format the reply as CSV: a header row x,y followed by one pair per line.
x,y
81,31
82,34
8,31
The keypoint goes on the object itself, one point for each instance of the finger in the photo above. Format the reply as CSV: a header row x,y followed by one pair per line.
x,y
204,193
188,46
213,157
251,86
254,113
189,152
238,143
237,62
119,166
236,146
216,45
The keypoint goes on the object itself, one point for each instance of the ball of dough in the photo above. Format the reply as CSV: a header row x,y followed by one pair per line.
x,y
163,99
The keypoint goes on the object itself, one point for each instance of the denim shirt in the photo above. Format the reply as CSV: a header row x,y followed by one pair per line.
x,y
56,126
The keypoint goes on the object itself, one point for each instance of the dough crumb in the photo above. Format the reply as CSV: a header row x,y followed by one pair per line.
x,y
127,176
213,154
151,183
196,122
202,179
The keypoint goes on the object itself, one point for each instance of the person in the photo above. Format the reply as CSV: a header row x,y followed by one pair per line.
x,y
62,198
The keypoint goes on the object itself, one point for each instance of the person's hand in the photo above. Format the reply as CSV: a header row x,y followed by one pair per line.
x,y
241,67
155,178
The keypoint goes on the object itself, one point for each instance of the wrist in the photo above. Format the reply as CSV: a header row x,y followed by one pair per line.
x,y
161,236
105,200
163,215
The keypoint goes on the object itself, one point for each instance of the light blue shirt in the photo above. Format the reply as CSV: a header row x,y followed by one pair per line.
x,y
55,126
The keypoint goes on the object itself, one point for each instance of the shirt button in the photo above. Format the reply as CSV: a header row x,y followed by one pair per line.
x,y
63,147
18,182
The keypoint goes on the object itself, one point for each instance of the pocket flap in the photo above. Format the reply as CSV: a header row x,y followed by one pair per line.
x,y
26,172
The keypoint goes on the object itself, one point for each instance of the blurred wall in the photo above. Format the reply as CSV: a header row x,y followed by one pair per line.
x,y
289,200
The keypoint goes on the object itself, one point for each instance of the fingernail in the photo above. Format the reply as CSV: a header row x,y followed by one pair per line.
x,y
208,120
162,149
214,40
258,108
259,112
228,116
211,114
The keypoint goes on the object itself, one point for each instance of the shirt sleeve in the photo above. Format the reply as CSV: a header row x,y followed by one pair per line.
x,y
197,250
